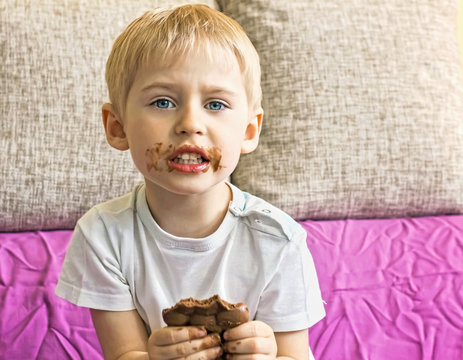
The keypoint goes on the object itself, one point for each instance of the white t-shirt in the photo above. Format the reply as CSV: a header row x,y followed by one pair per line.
x,y
119,259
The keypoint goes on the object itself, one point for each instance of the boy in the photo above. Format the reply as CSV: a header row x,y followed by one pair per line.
x,y
184,85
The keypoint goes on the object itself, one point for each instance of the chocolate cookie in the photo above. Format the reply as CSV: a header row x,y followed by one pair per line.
x,y
215,314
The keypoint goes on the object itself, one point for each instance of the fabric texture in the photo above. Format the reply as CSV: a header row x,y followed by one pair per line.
x,y
55,163
392,287
258,256
363,107
34,322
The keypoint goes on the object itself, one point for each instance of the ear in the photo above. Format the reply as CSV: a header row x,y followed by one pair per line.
x,y
115,134
251,136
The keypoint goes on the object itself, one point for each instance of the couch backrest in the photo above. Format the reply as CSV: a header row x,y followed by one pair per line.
x,y
363,107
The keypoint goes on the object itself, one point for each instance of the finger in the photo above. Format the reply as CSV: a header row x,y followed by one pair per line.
x,y
259,345
186,348
248,330
208,354
173,335
249,357
212,354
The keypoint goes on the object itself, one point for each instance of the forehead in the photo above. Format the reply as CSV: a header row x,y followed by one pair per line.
x,y
194,72
210,54
217,65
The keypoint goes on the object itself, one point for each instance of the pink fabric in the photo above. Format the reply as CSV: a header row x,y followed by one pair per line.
x,y
394,290
34,323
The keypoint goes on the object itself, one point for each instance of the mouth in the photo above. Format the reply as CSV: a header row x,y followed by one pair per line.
x,y
189,159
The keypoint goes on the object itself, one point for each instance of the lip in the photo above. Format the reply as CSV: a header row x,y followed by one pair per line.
x,y
189,168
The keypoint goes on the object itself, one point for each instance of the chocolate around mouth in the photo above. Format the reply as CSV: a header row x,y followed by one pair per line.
x,y
215,156
154,156
159,156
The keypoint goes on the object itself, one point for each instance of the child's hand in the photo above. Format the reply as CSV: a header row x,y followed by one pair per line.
x,y
187,341
254,337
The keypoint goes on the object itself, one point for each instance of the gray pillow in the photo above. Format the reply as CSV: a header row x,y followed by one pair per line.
x,y
55,162
363,106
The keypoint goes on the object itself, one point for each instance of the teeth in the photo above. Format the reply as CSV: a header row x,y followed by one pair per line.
x,y
188,159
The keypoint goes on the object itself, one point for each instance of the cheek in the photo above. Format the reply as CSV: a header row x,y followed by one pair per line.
x,y
231,155
147,147
215,157
156,157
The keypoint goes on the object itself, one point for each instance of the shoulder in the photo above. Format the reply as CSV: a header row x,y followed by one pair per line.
x,y
264,217
112,212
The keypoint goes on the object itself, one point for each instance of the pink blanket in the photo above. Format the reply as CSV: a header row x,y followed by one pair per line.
x,y
394,290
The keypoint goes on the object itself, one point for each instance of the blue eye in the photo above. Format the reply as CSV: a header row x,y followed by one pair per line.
x,y
163,104
215,106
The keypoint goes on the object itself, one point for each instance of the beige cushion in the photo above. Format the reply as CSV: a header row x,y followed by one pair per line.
x,y
363,107
54,160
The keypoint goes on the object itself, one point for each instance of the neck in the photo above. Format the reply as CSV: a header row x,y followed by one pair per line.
x,y
193,216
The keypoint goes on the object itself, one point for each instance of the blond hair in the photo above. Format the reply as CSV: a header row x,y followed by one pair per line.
x,y
166,34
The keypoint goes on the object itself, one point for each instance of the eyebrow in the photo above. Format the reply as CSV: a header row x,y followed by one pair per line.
x,y
210,89
220,90
159,85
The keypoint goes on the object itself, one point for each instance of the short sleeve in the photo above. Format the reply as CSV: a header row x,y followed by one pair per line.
x,y
292,299
91,275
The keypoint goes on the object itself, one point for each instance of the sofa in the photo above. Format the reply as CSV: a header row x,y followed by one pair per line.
x,y
362,144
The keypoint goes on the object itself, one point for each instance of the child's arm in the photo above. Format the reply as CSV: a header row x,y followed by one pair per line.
x,y
123,336
119,333
256,337
293,344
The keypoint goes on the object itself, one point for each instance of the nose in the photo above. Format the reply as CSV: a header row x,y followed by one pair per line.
x,y
190,122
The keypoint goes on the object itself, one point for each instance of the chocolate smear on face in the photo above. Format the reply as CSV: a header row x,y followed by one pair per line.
x,y
214,155
157,157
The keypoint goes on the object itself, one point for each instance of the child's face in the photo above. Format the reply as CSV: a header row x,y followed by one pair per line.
x,y
187,123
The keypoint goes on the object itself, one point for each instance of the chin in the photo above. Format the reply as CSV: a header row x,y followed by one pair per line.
x,y
188,186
